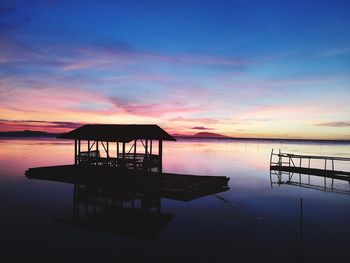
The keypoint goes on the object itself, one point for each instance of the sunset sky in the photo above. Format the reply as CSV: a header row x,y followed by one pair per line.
x,y
239,68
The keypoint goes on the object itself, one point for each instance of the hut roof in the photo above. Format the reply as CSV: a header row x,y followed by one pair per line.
x,y
118,132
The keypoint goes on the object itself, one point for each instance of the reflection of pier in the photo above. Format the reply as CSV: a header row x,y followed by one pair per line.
x,y
124,201
305,171
121,212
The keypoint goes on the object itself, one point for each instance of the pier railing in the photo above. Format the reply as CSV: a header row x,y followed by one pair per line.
x,y
296,163
310,165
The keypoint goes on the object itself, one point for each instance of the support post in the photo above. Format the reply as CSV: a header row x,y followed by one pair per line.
x,y
97,152
123,154
89,151
75,152
135,143
160,153
107,149
79,145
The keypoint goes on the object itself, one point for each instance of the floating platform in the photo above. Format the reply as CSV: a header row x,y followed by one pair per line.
x,y
181,187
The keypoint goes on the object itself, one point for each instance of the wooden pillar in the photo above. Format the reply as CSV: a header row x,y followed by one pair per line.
x,y
146,147
97,151
135,143
160,153
79,145
117,149
150,147
107,150
123,154
75,151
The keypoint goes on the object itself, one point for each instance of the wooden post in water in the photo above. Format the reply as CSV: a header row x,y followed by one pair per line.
x,y
271,157
301,229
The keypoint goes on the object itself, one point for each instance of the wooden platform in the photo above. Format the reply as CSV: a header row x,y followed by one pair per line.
x,y
305,164
174,186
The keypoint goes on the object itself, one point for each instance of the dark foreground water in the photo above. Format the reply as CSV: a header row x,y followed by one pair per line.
x,y
254,221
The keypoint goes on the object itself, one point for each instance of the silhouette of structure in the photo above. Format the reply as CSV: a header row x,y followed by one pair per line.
x,y
123,201
119,211
290,168
174,186
102,135
108,187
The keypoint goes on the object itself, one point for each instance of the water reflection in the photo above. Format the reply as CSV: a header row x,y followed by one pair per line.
x,y
120,212
123,201
248,223
329,183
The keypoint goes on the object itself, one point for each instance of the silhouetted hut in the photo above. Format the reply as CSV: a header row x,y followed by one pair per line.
x,y
91,137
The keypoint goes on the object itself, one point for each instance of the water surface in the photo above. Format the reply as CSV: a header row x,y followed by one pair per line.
x,y
254,220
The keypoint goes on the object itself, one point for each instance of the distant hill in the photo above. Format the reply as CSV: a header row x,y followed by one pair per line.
x,y
209,135
204,135
28,134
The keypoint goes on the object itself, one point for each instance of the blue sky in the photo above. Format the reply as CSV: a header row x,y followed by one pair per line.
x,y
240,68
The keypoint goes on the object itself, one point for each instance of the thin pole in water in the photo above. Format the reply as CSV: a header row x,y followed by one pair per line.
x,y
301,229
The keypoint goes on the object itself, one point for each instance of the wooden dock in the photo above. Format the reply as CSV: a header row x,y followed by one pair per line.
x,y
173,186
295,163
299,170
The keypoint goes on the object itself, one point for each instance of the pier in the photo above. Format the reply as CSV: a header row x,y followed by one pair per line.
x,y
182,187
308,171
138,169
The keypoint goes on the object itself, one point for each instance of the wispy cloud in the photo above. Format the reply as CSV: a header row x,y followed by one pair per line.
x,y
340,124
194,119
55,126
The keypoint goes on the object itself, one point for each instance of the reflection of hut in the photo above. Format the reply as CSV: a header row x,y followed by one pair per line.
x,y
119,211
95,137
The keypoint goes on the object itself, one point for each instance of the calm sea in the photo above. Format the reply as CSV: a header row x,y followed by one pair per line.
x,y
255,220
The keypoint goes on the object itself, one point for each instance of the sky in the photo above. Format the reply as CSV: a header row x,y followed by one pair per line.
x,y
239,68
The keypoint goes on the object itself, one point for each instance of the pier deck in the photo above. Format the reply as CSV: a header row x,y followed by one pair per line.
x,y
174,186
295,163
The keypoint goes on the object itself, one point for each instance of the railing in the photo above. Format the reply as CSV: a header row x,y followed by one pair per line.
x,y
128,160
290,160
285,165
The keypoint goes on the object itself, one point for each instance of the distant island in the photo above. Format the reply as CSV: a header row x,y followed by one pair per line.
x,y
36,134
199,136
28,134
209,135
